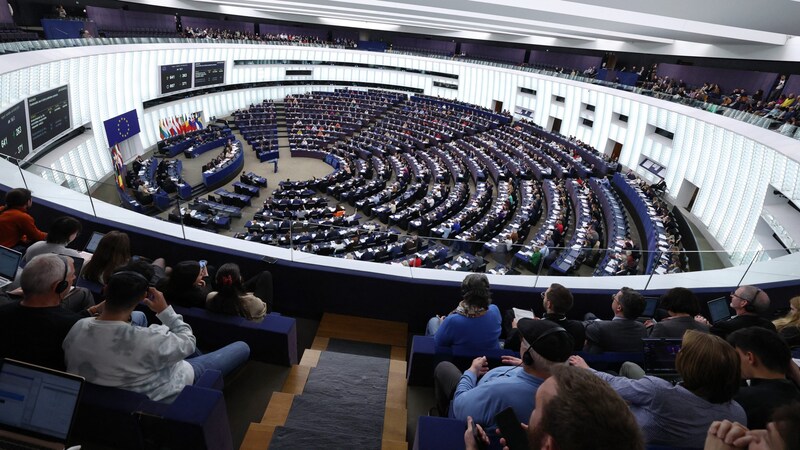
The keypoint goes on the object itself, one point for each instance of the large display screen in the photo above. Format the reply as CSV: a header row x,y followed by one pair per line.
x,y
49,115
208,73
176,77
14,132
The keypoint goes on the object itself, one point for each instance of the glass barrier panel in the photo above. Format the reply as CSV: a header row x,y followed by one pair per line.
x,y
765,268
40,178
11,174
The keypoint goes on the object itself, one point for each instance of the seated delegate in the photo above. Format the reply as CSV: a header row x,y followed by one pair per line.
x,y
475,323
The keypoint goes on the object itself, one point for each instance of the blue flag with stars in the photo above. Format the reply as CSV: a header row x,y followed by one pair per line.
x,y
122,127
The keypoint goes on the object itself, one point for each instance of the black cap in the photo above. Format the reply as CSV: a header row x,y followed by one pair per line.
x,y
547,339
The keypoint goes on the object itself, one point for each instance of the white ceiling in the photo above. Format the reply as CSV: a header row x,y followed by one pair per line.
x,y
721,28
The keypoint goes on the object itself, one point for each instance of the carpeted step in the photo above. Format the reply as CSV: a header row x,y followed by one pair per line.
x,y
344,395
309,437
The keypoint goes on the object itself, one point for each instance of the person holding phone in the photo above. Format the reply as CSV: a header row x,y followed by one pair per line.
x,y
188,284
574,411
482,393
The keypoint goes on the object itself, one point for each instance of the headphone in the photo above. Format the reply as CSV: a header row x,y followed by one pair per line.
x,y
63,285
750,306
527,358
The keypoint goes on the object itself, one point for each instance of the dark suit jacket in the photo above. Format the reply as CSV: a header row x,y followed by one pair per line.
x,y
618,335
573,327
675,327
763,397
723,329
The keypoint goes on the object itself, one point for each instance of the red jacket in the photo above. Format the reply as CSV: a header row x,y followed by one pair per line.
x,y
17,226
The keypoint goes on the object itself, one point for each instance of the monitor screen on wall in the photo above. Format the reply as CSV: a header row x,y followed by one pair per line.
x,y
176,77
14,132
49,115
209,73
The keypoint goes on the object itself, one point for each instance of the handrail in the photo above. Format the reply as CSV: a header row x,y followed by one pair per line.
x,y
83,185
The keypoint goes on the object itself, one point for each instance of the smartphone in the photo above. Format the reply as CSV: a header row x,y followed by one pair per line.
x,y
203,263
510,429
477,435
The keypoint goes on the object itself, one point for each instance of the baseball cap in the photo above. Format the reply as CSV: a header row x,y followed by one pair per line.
x,y
547,339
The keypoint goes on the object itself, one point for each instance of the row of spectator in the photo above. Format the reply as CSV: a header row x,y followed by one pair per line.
x,y
713,363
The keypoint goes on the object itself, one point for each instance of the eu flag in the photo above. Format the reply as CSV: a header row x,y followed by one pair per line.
x,y
121,127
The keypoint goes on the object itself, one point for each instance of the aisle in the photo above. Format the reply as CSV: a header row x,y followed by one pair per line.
x,y
349,391
342,403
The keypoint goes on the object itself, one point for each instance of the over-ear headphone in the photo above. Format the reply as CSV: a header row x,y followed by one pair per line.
x,y
63,285
751,306
527,358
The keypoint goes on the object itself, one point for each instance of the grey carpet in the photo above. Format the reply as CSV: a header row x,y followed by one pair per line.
x,y
304,438
345,395
359,348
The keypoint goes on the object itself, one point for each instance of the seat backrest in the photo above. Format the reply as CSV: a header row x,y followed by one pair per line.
x,y
272,339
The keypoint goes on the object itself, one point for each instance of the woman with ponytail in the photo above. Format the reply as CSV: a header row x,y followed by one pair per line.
x,y
251,299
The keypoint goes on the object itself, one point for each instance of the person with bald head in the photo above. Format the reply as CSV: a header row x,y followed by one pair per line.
x,y
32,330
749,303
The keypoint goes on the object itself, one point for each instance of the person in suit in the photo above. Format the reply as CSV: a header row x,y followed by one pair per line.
x,y
682,306
765,360
749,303
557,302
623,333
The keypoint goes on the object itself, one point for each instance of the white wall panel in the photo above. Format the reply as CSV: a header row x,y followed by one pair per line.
x,y
731,162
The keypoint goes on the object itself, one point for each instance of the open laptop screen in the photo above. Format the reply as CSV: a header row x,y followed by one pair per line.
x,y
660,354
719,310
651,303
9,262
36,401
91,246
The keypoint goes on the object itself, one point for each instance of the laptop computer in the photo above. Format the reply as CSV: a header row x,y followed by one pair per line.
x,y
659,356
37,405
78,263
91,246
650,306
719,310
9,263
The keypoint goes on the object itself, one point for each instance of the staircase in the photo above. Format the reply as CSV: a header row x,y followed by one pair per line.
x,y
345,329
283,130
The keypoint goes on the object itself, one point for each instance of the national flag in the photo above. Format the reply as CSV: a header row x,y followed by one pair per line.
x,y
162,129
173,130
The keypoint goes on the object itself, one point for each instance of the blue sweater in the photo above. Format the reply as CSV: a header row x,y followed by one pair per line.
x,y
500,388
472,332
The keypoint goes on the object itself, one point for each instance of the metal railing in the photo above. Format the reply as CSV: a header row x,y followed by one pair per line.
x,y
465,251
